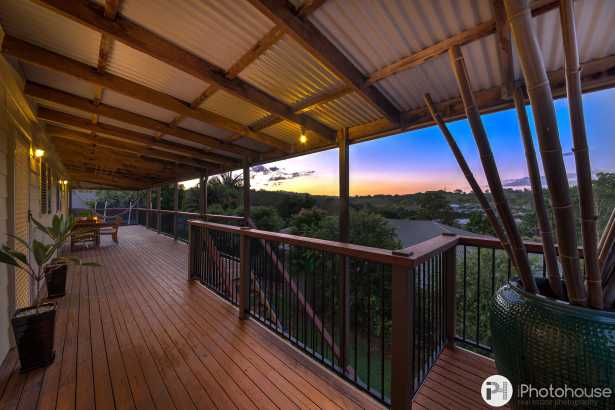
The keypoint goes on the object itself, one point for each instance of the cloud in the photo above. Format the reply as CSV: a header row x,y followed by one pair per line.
x,y
274,176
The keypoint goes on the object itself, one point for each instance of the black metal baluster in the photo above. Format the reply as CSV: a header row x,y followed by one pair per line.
x,y
465,286
382,330
492,271
478,297
369,326
333,291
355,328
322,308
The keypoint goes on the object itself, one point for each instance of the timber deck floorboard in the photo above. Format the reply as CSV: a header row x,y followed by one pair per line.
x,y
136,334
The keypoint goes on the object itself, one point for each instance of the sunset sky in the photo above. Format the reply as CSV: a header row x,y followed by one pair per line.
x,y
421,160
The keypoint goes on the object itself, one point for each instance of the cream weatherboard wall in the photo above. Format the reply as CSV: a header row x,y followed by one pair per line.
x,y
20,189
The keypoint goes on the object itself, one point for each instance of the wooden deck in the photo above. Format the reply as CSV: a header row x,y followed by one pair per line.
x,y
136,334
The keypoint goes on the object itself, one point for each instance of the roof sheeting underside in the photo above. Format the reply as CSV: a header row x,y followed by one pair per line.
x,y
371,34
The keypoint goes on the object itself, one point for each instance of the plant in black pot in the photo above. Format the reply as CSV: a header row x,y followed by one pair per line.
x,y
34,326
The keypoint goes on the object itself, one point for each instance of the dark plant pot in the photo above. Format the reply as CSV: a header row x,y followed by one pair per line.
x,y
542,342
56,282
34,333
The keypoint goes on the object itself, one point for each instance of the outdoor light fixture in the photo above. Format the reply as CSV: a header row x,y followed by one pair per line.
x,y
39,153
303,136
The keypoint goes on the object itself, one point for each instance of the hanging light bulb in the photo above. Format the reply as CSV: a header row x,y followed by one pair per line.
x,y
303,136
38,153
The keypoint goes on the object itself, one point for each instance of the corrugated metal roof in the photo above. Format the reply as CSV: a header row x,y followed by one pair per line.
x,y
290,73
219,31
59,81
235,108
62,108
137,106
139,67
184,142
286,131
253,145
347,111
373,34
38,25
121,124
203,128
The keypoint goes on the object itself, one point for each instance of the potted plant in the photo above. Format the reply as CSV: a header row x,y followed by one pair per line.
x,y
34,326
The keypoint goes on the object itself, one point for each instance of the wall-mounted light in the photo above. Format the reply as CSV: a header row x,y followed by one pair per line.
x,y
39,153
303,136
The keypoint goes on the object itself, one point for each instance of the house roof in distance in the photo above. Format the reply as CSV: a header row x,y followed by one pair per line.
x,y
411,232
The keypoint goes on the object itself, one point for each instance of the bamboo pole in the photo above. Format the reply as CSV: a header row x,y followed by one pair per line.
x,y
467,172
517,247
549,254
581,154
541,99
604,236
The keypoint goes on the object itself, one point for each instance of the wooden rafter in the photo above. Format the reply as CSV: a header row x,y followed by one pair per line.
x,y
272,37
132,137
598,74
39,56
121,148
326,52
504,45
70,100
304,106
112,7
148,42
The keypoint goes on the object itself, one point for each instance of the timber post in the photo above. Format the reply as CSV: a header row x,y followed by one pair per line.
x,y
402,365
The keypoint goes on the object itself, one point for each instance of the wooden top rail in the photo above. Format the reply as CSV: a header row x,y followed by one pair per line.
x,y
416,256
232,218
492,242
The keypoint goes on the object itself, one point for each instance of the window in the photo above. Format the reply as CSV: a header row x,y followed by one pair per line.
x,y
45,182
58,196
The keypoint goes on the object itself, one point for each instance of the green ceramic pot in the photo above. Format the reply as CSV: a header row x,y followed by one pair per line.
x,y
544,342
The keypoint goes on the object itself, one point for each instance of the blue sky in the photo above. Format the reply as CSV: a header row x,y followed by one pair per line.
x,y
421,160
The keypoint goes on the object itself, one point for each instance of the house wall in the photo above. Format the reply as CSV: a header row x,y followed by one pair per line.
x,y
20,189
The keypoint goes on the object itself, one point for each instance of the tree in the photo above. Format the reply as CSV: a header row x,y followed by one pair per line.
x,y
366,228
266,218
529,226
434,205
478,223
604,191
294,203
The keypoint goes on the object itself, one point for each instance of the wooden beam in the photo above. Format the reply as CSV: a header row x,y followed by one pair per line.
x,y
272,37
118,149
304,106
421,56
106,46
39,56
132,137
597,75
70,100
326,52
504,46
148,42
309,6
142,151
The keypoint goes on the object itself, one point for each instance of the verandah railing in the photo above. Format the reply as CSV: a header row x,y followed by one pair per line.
x,y
370,315
295,287
483,267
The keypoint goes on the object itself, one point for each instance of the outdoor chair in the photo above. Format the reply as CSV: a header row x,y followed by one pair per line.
x,y
113,229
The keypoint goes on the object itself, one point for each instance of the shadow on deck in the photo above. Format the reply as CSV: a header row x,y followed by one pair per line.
x,y
137,334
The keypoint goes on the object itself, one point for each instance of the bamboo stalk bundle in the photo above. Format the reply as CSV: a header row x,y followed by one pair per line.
x,y
491,171
541,99
544,225
467,172
581,154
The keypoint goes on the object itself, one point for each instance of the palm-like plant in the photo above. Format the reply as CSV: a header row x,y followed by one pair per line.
x,y
229,180
43,253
